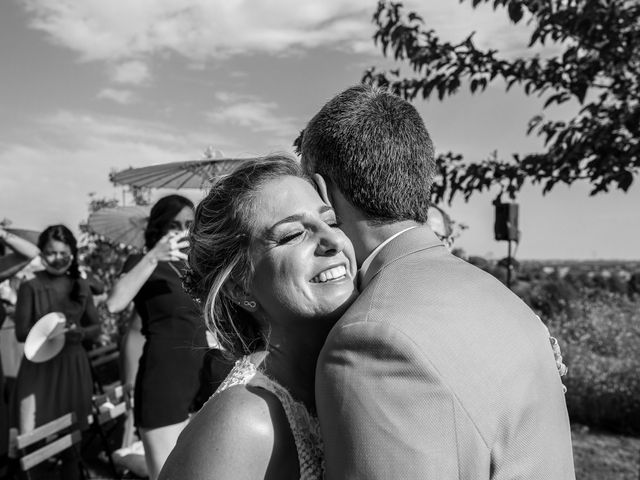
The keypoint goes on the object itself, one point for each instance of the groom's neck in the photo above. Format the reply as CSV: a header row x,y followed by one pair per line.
x,y
364,234
367,236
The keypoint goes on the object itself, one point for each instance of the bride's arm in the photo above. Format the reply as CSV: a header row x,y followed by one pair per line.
x,y
239,434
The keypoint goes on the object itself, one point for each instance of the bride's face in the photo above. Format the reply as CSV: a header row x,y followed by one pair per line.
x,y
304,265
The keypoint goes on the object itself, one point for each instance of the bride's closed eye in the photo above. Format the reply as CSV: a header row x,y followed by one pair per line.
x,y
290,237
333,221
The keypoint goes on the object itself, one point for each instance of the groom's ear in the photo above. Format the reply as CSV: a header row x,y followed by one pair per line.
x,y
323,191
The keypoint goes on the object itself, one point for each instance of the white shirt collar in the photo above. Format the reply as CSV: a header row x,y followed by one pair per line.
x,y
372,255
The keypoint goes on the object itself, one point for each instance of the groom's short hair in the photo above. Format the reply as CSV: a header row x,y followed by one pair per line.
x,y
374,147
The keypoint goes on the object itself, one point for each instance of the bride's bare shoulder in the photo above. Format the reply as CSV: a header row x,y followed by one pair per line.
x,y
242,432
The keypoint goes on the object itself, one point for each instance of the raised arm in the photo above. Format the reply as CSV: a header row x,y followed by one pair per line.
x,y
128,286
18,244
24,250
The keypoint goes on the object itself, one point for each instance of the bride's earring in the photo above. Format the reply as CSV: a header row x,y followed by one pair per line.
x,y
249,305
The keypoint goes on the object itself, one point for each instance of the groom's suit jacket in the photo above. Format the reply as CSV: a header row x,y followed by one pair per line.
x,y
438,371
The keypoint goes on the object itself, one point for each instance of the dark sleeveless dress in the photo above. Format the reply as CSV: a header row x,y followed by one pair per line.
x,y
168,374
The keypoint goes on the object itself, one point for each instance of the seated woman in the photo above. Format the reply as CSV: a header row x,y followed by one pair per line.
x,y
273,273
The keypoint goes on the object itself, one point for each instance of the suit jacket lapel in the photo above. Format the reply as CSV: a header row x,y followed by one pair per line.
x,y
411,241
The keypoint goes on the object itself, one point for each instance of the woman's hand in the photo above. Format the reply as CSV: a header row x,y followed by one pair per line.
x,y
74,333
169,247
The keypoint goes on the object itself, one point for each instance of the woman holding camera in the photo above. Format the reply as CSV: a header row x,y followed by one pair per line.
x,y
168,375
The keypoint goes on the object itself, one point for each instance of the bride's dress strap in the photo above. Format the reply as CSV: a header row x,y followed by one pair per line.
x,y
241,374
304,426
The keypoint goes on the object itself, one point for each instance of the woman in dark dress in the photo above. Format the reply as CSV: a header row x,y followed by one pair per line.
x,y
63,384
167,381
47,390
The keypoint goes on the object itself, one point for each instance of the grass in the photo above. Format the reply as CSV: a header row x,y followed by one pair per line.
x,y
605,456
597,456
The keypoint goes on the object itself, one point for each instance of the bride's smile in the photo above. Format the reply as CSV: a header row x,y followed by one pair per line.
x,y
332,274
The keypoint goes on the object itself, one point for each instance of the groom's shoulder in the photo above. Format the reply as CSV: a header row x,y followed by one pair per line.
x,y
428,278
432,292
424,279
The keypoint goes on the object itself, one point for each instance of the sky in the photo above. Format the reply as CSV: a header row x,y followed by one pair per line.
x,y
89,87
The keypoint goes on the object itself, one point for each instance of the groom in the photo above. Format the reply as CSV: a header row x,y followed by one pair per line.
x,y
437,371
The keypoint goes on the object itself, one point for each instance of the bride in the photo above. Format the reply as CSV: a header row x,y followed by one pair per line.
x,y
273,273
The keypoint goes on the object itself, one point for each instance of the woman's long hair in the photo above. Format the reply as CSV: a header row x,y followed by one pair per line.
x,y
62,234
162,213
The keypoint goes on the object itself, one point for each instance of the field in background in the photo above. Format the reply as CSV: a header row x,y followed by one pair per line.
x,y
605,456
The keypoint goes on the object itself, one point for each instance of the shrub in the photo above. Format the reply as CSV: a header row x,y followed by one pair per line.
x,y
105,261
600,339
551,297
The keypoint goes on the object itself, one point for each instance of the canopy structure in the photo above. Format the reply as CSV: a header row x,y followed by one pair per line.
x,y
177,175
29,235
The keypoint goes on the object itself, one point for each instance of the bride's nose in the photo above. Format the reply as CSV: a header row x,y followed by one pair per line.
x,y
330,242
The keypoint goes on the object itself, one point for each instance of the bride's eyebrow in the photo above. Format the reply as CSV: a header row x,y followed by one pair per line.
x,y
269,232
296,217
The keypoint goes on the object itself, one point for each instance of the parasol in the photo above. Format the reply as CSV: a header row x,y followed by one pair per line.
x,y
121,224
188,174
29,235
46,338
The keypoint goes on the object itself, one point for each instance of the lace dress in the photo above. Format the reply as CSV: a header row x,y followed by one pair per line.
x,y
304,426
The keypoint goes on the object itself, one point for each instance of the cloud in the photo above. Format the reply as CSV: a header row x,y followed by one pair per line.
x,y
254,114
131,72
47,175
199,29
146,141
123,97
206,30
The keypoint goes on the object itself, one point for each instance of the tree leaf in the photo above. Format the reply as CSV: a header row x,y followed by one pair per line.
x,y
597,53
515,11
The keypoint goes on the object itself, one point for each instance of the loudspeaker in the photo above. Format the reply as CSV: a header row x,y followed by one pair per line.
x,y
506,225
